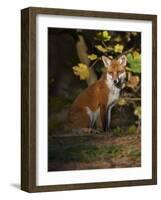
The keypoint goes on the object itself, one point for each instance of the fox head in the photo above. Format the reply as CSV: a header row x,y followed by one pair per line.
x,y
115,69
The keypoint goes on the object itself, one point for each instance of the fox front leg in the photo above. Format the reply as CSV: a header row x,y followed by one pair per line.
x,y
108,117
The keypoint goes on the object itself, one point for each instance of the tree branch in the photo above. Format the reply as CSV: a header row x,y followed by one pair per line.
x,y
83,56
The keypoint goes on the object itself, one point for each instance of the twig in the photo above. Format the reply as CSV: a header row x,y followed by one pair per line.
x,y
132,99
125,52
93,64
104,44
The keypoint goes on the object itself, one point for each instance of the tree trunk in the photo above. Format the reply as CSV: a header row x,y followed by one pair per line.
x,y
83,56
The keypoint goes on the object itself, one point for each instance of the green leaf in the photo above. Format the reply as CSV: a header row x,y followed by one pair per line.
x,y
134,61
132,130
129,58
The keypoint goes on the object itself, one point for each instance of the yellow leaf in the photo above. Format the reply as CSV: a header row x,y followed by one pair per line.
x,y
136,55
92,56
134,33
106,35
137,112
101,48
99,34
82,71
133,80
121,102
118,48
118,38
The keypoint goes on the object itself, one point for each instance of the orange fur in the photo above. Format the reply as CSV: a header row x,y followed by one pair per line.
x,y
94,96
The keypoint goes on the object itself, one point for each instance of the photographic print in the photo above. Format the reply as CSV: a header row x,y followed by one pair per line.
x,y
89,99
94,99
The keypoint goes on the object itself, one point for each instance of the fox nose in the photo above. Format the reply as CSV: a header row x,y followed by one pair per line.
x,y
116,81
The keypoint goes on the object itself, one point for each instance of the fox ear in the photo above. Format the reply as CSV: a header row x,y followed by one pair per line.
x,y
106,61
122,60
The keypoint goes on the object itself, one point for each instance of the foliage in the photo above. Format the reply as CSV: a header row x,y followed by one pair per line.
x,y
103,35
133,81
92,56
82,71
134,153
132,130
122,131
134,60
101,48
118,48
118,131
137,112
121,102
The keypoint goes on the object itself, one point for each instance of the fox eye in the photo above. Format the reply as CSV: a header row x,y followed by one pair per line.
x,y
121,71
110,73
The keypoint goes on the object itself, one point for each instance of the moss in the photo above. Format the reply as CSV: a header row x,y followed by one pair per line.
x,y
119,131
123,131
134,153
101,153
84,153
132,130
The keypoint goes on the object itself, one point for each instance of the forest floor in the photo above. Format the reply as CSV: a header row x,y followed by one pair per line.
x,y
94,151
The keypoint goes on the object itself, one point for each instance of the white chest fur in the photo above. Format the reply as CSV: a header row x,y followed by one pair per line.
x,y
113,94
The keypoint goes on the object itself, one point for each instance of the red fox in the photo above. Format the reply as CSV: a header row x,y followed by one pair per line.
x,y
100,97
